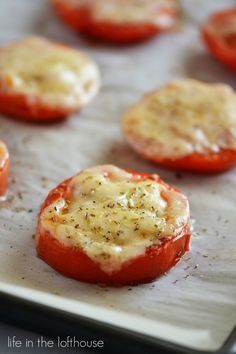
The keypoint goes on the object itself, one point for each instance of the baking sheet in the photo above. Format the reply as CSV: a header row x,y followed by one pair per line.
x,y
194,304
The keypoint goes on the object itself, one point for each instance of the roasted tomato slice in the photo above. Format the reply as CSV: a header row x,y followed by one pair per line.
x,y
187,125
108,225
4,168
41,81
219,34
118,21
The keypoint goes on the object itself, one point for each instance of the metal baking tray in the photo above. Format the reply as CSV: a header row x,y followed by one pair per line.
x,y
191,309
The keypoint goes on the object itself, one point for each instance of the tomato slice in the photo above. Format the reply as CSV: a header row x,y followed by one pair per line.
x,y
73,262
4,168
219,34
81,19
187,125
44,82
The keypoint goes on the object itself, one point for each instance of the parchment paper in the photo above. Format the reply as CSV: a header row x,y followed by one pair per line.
x,y
196,300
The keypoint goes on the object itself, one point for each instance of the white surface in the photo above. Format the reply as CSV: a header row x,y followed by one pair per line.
x,y
194,304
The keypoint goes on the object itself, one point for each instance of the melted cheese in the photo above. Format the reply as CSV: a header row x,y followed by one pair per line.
x,y
55,74
157,12
3,154
182,118
114,217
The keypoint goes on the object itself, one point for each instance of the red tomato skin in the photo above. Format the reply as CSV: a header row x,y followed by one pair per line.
x,y
72,17
203,164
4,175
74,263
19,106
142,269
121,34
217,45
80,20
